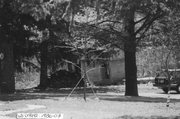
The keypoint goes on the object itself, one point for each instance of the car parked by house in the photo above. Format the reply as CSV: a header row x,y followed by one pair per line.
x,y
161,80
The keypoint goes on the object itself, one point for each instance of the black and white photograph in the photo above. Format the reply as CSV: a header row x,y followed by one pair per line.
x,y
89,59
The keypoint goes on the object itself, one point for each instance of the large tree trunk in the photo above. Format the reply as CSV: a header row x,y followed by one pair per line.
x,y
43,74
130,51
7,80
131,72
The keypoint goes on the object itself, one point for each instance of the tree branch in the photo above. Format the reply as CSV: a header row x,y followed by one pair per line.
x,y
142,19
148,22
143,34
110,31
109,21
146,26
32,64
67,9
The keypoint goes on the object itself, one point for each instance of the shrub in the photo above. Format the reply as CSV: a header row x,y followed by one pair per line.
x,y
64,79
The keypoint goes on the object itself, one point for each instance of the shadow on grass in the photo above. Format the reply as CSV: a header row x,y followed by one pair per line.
x,y
151,117
149,99
174,93
101,92
30,94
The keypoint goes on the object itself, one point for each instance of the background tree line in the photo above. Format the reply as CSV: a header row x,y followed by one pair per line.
x,y
34,28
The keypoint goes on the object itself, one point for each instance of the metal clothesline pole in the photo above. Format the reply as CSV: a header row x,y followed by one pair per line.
x,y
85,84
74,88
86,80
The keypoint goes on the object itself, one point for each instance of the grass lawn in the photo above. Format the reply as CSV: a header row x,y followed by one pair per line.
x,y
112,104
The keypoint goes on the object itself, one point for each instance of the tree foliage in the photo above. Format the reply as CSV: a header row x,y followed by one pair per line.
x,y
128,22
124,24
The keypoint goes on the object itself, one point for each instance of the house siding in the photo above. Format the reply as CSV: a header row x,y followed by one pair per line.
x,y
113,72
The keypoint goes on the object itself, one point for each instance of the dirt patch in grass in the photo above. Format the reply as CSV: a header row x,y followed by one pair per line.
x,y
11,106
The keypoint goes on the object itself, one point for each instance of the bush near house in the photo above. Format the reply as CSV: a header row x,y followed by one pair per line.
x,y
64,79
